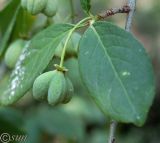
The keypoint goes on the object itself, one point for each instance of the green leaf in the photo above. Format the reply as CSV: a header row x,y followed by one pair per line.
x,y
24,24
9,15
60,122
117,72
33,131
53,122
85,109
11,120
33,60
86,5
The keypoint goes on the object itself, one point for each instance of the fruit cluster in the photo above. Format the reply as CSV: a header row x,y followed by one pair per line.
x,y
56,85
48,7
72,46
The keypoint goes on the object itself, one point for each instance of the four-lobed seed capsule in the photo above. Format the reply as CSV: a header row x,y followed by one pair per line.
x,y
48,7
56,85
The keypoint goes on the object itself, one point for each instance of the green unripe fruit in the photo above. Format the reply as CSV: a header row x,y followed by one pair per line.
x,y
41,85
72,46
59,49
69,91
24,4
13,52
57,88
64,12
72,65
51,8
34,6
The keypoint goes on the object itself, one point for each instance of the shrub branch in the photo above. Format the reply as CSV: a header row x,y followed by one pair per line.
x,y
112,131
132,5
113,11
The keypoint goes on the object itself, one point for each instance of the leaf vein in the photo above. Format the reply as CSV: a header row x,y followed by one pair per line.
x,y
114,70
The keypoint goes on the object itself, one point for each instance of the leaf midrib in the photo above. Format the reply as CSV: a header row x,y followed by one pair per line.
x,y
114,70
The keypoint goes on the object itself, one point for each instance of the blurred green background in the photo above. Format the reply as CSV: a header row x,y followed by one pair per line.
x,y
80,121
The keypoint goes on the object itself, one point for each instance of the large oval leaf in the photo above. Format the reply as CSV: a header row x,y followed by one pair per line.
x,y
117,72
33,60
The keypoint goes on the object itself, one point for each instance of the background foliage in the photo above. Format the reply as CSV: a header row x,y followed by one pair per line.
x,y
80,120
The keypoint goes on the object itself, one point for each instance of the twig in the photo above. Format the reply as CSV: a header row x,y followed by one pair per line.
x,y
132,5
113,126
113,11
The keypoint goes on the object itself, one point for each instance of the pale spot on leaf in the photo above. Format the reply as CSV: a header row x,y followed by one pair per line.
x,y
18,74
126,73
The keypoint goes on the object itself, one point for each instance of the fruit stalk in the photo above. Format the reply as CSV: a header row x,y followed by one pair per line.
x,y
69,36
